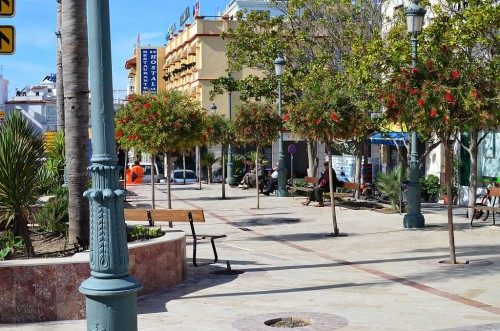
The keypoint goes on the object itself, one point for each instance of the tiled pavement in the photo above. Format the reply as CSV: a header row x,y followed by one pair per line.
x,y
379,276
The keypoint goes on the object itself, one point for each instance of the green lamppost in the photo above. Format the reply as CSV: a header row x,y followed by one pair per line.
x,y
279,66
230,177
414,218
111,293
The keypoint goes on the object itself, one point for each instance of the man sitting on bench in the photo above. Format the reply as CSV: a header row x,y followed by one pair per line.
x,y
323,186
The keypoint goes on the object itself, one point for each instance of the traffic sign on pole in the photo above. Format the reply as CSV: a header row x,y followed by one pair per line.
x,y
292,148
7,8
7,39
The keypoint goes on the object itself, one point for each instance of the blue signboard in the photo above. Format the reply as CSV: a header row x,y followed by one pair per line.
x,y
292,148
149,70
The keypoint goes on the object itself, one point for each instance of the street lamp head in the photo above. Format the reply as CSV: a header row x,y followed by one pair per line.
x,y
415,17
213,108
229,77
279,65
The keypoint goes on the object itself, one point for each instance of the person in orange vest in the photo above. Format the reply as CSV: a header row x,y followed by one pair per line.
x,y
137,173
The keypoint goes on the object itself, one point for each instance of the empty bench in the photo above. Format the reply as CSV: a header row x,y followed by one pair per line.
x,y
175,215
493,208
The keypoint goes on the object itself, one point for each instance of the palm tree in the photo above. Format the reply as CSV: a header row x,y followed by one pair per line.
x,y
75,64
59,76
208,159
20,159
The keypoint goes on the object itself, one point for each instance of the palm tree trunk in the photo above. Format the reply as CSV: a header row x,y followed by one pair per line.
x,y
359,160
332,192
76,103
198,156
448,160
59,75
22,223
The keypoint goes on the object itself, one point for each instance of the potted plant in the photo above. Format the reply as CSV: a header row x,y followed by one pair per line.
x,y
445,195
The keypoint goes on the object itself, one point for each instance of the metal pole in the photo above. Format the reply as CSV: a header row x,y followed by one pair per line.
x,y
281,191
230,175
414,217
111,294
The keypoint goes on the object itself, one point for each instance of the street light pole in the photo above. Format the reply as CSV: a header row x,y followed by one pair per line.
x,y
230,177
414,218
279,65
111,293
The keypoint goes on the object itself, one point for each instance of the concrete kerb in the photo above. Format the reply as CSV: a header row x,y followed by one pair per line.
x,y
380,277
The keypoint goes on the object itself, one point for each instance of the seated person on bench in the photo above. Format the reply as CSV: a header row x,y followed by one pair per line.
x,y
272,183
323,186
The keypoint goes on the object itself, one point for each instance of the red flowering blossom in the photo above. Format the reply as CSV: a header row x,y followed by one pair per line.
x,y
392,103
318,121
475,94
390,96
454,74
421,102
286,117
430,64
446,120
414,70
334,117
147,105
176,124
448,96
433,113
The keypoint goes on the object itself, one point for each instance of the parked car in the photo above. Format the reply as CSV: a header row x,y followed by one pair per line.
x,y
177,177
147,172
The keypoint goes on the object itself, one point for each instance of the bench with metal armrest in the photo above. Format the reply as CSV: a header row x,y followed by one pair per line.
x,y
493,207
175,215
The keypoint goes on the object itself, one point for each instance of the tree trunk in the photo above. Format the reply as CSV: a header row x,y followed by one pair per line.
x,y
59,75
22,223
332,192
473,151
76,109
153,172
169,185
312,159
359,159
223,174
449,191
198,156
125,171
257,175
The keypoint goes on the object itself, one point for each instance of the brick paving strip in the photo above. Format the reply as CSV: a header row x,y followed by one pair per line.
x,y
381,274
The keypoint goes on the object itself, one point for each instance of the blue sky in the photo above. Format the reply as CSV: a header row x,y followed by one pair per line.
x,y
35,23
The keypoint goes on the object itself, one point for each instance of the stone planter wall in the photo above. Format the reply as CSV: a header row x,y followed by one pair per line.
x,y
47,289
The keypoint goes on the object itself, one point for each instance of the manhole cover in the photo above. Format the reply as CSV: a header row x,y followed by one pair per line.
x,y
303,321
288,322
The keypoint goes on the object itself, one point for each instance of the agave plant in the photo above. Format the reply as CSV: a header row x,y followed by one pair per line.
x,y
21,151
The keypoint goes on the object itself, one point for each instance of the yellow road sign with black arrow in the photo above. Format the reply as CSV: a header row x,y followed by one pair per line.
x,y
7,39
7,8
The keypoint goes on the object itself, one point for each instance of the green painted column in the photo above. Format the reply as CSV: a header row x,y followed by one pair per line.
x,y
111,293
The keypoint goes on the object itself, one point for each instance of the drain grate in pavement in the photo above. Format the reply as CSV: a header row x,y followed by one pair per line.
x,y
304,321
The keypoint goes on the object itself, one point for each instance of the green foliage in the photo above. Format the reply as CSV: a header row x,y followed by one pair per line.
x,y
429,185
8,243
390,184
53,216
144,233
220,131
169,121
21,151
54,162
257,123
238,162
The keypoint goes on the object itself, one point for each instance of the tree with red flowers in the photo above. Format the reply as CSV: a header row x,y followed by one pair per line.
x,y
169,121
258,124
451,90
327,114
220,131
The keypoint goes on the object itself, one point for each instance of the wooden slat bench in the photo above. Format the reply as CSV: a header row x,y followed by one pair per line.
x,y
314,181
493,208
175,215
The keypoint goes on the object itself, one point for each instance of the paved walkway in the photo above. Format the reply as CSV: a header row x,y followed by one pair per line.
x,y
378,277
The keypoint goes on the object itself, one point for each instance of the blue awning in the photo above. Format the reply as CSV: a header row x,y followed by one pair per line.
x,y
389,138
